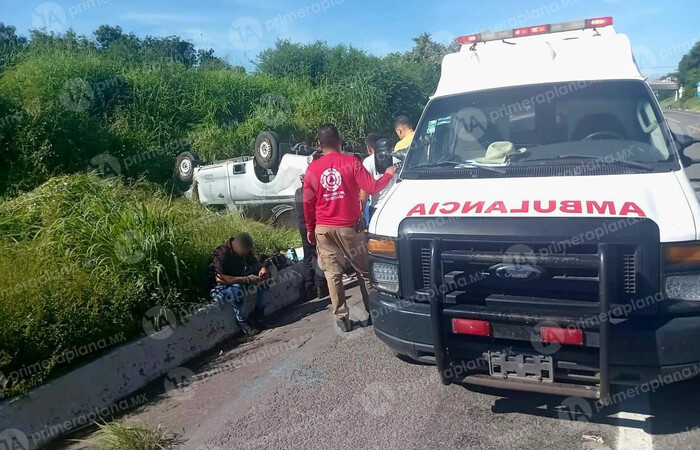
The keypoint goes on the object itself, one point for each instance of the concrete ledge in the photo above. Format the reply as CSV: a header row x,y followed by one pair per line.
x,y
82,396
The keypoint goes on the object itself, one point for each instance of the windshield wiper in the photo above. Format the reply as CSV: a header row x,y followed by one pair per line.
x,y
622,162
458,165
435,165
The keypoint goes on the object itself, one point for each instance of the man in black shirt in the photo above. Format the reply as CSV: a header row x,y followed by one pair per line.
x,y
314,279
232,272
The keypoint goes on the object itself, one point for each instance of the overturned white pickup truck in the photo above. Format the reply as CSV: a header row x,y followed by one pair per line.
x,y
262,185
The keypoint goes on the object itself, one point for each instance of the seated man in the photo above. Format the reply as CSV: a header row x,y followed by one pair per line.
x,y
232,272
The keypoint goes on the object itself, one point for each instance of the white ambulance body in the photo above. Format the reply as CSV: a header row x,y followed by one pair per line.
x,y
542,207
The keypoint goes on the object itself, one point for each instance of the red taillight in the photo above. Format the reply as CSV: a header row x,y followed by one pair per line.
x,y
531,31
469,39
568,336
599,22
471,327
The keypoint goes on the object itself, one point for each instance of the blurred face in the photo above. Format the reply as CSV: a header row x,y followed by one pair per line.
x,y
239,249
400,132
370,150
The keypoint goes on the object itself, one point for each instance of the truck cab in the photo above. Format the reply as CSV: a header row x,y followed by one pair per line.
x,y
542,233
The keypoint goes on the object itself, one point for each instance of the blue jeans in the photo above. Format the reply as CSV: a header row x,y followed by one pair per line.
x,y
235,294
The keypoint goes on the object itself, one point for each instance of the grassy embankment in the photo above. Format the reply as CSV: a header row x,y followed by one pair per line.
x,y
83,258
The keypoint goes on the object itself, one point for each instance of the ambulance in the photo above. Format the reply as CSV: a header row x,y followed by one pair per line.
x,y
542,234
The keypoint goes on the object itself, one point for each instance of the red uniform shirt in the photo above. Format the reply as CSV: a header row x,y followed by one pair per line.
x,y
332,190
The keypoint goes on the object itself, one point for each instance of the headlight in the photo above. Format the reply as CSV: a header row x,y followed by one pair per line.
x,y
386,276
682,271
683,286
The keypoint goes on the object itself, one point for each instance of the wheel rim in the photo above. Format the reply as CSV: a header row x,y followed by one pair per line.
x,y
265,150
185,166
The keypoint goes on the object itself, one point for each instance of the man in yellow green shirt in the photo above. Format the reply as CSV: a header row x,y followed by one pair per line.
x,y
405,132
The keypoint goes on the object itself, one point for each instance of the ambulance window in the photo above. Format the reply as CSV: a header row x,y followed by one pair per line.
x,y
605,119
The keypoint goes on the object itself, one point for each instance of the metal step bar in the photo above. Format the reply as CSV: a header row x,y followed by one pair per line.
x,y
603,261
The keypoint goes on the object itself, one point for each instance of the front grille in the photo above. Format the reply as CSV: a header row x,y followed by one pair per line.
x,y
629,273
577,284
425,267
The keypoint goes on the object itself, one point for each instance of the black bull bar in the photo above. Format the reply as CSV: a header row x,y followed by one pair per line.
x,y
602,261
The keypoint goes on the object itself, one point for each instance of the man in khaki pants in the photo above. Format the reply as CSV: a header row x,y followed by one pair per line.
x,y
332,210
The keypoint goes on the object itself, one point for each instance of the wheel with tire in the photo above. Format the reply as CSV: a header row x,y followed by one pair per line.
x,y
184,166
267,150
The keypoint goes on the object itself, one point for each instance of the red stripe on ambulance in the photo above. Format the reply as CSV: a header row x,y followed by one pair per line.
x,y
589,207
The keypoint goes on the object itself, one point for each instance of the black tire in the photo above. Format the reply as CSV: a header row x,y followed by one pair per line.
x,y
184,166
267,150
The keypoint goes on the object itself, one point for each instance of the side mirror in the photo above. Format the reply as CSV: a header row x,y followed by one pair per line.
x,y
383,159
684,142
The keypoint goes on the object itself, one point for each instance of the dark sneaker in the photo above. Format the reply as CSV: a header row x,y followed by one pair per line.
x,y
344,325
368,322
248,329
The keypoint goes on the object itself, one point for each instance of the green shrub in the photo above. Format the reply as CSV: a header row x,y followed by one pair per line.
x,y
82,259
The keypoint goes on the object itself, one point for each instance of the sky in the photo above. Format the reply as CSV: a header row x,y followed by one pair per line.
x,y
661,32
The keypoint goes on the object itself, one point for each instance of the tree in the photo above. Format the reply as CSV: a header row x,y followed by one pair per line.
x,y
206,60
303,61
689,71
106,34
170,48
11,45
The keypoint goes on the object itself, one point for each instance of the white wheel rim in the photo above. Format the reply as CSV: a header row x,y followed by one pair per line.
x,y
265,150
185,166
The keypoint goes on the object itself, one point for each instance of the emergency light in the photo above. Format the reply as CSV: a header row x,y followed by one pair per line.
x,y
598,22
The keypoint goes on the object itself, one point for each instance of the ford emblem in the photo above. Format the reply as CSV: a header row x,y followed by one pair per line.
x,y
517,272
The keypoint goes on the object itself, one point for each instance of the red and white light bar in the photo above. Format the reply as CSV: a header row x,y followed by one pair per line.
x,y
598,22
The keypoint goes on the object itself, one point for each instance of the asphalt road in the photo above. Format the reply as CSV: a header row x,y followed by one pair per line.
x,y
303,384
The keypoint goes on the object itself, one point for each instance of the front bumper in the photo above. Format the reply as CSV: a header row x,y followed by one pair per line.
x,y
641,348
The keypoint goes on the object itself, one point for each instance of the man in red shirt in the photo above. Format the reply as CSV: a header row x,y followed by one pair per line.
x,y
332,210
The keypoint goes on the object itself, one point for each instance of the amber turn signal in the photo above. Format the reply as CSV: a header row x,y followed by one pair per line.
x,y
383,247
683,254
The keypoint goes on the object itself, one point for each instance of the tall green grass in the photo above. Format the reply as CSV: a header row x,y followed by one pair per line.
x,y
83,258
75,104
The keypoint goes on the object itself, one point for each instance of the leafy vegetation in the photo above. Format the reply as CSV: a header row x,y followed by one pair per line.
x,y
67,102
689,72
83,258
